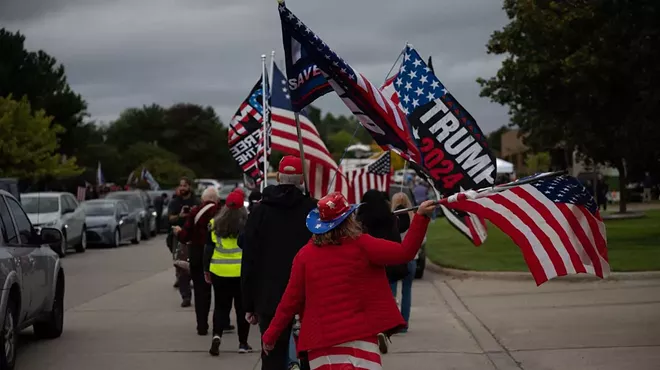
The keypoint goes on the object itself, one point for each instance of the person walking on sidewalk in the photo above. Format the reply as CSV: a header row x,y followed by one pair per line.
x,y
222,264
195,232
275,232
338,284
179,208
401,201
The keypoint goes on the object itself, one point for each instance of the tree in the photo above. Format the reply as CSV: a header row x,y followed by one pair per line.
x,y
539,162
495,139
338,142
38,76
582,74
166,172
28,143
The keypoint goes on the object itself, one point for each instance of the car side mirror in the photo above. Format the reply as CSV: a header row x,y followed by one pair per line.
x,y
51,236
67,210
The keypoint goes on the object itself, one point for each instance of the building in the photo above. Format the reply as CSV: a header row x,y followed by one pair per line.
x,y
514,150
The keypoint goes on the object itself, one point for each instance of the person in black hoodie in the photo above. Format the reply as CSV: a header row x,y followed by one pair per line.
x,y
378,221
274,233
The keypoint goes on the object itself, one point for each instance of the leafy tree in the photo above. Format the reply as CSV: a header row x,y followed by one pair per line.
x,y
582,74
140,152
495,139
539,162
165,171
28,143
42,80
338,142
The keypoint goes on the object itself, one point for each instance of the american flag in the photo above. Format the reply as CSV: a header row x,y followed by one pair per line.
x,y
322,173
554,221
376,175
386,123
245,137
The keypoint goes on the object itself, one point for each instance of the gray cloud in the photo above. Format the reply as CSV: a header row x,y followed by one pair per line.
x,y
125,53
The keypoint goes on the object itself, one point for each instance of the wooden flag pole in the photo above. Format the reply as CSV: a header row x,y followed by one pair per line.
x,y
302,151
502,187
264,119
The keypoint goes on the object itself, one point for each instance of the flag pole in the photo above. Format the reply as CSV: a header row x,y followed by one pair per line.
x,y
272,66
396,61
264,115
302,150
502,187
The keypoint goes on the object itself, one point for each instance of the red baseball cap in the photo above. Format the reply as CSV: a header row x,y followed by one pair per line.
x,y
291,165
235,199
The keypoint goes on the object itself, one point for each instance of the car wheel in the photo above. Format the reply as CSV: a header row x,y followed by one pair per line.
x,y
138,236
145,232
8,337
116,239
82,246
64,246
53,326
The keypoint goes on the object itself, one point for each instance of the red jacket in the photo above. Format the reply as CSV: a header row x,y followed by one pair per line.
x,y
197,233
342,292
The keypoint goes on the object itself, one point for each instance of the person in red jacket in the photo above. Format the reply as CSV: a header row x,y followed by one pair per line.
x,y
339,286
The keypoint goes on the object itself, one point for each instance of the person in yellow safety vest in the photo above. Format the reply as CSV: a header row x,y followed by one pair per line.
x,y
222,269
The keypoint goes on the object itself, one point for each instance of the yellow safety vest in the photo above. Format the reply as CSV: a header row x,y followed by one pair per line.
x,y
226,259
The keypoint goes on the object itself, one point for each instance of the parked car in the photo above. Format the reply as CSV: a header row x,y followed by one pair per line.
x,y
61,211
32,279
110,222
139,201
164,220
421,255
201,184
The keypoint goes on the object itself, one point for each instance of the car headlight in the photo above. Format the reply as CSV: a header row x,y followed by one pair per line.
x,y
153,213
52,223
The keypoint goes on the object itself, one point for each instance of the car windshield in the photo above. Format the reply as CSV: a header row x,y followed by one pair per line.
x,y
99,208
40,204
134,201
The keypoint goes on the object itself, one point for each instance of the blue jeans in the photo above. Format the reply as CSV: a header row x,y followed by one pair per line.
x,y
406,290
293,356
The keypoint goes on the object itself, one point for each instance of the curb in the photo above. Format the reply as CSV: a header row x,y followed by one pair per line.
x,y
524,276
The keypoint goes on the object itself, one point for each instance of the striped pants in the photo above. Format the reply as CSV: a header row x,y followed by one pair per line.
x,y
359,354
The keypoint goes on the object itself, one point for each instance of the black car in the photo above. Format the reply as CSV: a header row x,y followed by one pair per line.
x,y
421,255
139,201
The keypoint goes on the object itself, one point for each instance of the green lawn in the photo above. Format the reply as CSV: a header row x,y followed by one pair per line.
x,y
633,245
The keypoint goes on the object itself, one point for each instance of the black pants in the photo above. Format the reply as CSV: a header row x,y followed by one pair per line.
x,y
202,296
278,358
225,290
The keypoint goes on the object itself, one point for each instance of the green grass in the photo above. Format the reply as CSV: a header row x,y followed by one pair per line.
x,y
633,245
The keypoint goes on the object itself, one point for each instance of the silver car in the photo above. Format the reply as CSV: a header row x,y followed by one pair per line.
x,y
31,276
60,211
109,222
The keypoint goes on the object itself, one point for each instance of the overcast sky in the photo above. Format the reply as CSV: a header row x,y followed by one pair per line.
x,y
126,53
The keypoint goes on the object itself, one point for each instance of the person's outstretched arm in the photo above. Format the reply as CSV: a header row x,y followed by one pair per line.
x,y
291,303
384,252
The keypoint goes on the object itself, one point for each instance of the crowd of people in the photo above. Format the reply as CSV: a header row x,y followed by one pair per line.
x,y
318,278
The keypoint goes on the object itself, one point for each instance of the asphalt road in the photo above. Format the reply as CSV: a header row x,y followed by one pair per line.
x,y
123,314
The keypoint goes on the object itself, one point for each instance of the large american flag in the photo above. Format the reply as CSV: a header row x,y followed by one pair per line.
x,y
376,175
554,221
386,123
322,169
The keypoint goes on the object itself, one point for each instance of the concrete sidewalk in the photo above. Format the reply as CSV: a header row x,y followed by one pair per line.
x,y
456,324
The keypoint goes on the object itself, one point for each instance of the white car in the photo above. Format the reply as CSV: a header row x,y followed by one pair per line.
x,y
60,211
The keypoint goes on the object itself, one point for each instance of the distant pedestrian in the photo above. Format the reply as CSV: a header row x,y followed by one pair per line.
x,y
601,192
179,208
421,192
339,286
648,185
222,268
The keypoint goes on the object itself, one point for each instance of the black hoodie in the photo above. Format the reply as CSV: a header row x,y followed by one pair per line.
x,y
274,234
